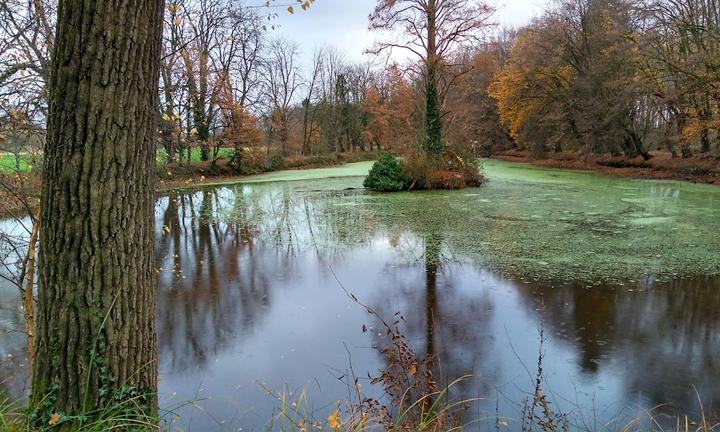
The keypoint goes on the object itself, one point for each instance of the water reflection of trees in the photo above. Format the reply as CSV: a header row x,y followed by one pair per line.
x,y
441,320
666,336
218,252
211,287
13,343
222,251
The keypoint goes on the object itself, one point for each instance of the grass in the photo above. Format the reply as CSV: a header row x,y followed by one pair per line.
x,y
29,162
127,415
10,420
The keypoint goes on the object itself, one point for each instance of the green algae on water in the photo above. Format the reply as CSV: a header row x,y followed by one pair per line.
x,y
527,221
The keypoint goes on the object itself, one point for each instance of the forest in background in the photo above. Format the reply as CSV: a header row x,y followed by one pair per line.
x,y
590,77
623,77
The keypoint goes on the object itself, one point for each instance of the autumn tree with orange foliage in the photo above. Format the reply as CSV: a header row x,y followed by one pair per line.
x,y
573,81
240,127
390,106
433,31
682,59
473,121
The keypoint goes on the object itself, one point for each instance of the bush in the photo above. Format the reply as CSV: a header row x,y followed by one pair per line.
x,y
451,171
387,175
274,162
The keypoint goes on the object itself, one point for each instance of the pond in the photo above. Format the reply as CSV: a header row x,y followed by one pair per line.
x,y
621,277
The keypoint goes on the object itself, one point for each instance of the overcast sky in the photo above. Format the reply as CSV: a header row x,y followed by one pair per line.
x,y
343,23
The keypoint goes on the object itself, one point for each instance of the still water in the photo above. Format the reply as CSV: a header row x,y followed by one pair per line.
x,y
621,276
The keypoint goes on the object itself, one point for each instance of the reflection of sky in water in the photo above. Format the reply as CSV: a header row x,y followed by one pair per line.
x,y
245,291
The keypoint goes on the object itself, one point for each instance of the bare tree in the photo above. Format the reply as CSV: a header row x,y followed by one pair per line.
x,y
204,19
432,30
682,46
241,44
309,108
282,81
26,40
26,30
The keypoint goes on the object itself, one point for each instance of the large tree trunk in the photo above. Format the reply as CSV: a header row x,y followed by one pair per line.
x,y
434,144
95,325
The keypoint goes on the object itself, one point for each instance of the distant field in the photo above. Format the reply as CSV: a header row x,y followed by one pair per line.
x,y
9,162
27,162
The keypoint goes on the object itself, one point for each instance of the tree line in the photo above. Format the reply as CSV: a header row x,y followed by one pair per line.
x,y
620,76
228,79
615,76
114,84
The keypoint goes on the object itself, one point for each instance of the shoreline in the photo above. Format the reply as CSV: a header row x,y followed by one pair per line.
x,y
660,167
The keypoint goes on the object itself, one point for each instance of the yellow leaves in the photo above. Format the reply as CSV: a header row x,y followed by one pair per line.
x,y
304,5
412,369
54,419
334,420
166,229
178,20
173,7
166,117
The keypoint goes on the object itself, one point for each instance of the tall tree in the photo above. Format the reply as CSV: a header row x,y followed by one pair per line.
x,y
205,19
95,325
681,46
282,81
433,30
572,81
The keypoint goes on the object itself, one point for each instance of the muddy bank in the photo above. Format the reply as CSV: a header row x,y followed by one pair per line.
x,y
661,166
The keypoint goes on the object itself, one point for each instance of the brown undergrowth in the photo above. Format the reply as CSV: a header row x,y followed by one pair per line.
x,y
450,171
697,169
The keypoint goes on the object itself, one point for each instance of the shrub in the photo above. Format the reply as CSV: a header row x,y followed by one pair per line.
x,y
387,175
451,171
274,162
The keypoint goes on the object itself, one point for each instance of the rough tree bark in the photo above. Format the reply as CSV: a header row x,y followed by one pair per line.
x,y
95,323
